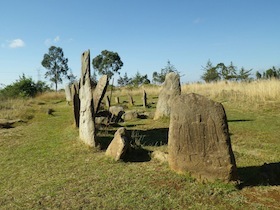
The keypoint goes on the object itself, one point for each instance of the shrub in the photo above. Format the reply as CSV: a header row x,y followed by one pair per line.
x,y
23,87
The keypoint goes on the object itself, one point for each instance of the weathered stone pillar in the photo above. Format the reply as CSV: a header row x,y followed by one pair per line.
x,y
68,94
117,100
199,140
87,126
130,99
99,92
171,88
144,99
108,102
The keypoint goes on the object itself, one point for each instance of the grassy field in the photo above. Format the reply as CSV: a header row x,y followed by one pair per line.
x,y
43,165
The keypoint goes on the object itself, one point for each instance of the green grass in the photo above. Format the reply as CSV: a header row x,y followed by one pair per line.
x,y
44,166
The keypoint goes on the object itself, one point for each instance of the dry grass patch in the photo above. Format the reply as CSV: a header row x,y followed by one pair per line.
x,y
50,96
252,92
16,109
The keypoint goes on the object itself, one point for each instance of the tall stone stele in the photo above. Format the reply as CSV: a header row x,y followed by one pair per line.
x,y
86,126
199,140
99,92
170,88
68,94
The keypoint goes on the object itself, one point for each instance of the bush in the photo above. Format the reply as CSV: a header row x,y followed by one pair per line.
x,y
24,87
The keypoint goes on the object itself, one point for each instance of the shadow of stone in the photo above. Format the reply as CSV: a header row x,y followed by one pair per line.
x,y
267,174
241,120
104,141
133,125
142,116
6,126
137,155
153,137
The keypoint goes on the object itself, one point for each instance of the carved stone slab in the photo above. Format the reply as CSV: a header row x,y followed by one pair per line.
x,y
199,140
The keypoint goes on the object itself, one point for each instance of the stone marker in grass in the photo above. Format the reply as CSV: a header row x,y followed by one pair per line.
x,y
99,91
171,88
87,125
68,94
119,145
199,140
144,99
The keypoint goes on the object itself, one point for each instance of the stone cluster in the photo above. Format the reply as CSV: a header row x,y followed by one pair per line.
x,y
198,141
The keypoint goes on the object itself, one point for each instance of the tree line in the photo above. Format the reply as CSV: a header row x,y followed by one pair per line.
x,y
214,73
110,63
106,63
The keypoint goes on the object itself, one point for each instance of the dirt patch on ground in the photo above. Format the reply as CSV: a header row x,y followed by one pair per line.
x,y
268,197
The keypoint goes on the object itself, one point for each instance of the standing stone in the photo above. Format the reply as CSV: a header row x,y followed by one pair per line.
x,y
116,113
130,115
68,94
144,99
171,88
87,127
100,91
199,140
130,99
76,103
108,102
117,100
119,145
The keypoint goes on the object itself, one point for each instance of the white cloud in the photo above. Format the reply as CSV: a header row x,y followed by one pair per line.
x,y
50,41
16,43
56,39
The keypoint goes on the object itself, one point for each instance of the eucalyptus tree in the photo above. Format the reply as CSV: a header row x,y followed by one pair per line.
x,y
107,63
56,65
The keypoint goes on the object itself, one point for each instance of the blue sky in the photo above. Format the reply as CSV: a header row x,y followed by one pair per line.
x,y
145,33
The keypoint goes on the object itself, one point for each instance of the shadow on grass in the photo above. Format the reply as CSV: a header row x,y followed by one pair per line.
x,y
138,155
104,141
241,120
267,174
152,137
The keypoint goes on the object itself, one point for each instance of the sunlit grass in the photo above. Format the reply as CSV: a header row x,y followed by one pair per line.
x,y
45,166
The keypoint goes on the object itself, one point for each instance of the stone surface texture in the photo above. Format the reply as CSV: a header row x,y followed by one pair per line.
x,y
86,126
170,88
119,145
99,92
130,115
68,94
199,140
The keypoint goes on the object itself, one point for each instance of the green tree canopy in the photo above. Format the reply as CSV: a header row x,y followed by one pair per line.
x,y
159,77
107,62
211,73
124,81
139,79
56,65
244,74
221,71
